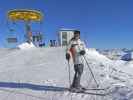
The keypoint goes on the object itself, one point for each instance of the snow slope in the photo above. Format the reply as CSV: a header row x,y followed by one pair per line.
x,y
42,74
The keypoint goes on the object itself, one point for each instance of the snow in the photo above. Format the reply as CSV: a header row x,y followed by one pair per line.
x,y
42,74
113,54
26,45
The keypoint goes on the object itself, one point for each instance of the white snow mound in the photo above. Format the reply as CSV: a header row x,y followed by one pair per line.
x,y
26,45
93,54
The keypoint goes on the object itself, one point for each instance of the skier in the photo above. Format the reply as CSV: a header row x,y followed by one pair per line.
x,y
76,50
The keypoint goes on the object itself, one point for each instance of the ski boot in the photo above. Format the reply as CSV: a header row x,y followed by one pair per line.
x,y
77,89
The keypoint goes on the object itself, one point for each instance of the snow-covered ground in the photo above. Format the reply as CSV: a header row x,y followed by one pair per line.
x,y
42,74
115,54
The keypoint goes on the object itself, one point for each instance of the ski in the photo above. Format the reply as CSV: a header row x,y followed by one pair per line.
x,y
90,89
96,88
91,93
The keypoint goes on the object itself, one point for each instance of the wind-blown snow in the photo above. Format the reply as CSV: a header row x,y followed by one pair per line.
x,y
42,74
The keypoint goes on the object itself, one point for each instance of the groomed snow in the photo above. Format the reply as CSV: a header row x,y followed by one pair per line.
x,y
42,74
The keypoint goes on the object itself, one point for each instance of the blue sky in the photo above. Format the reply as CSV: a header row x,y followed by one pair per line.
x,y
103,23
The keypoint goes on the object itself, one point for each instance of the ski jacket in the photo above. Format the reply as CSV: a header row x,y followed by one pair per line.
x,y
74,47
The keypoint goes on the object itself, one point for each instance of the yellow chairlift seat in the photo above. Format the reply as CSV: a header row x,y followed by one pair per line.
x,y
25,15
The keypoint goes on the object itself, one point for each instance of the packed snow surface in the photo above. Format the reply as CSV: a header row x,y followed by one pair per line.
x,y
42,74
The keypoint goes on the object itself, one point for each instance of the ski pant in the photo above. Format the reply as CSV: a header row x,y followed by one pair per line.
x,y
77,77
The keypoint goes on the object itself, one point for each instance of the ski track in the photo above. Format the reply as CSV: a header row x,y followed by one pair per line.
x,y
28,75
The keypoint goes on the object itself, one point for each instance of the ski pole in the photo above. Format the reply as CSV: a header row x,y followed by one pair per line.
x,y
91,71
69,73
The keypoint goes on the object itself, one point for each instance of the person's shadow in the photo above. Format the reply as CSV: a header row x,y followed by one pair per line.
x,y
32,86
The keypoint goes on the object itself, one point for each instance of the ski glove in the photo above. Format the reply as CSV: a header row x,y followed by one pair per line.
x,y
82,52
67,56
